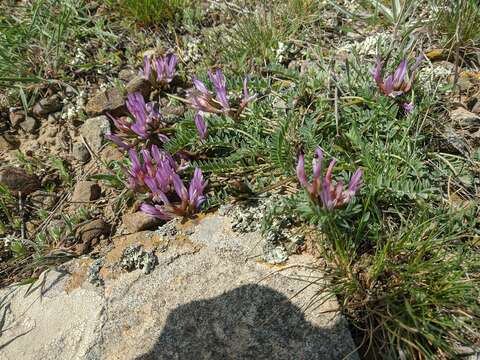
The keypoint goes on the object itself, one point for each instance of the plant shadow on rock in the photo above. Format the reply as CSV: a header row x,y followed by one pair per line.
x,y
249,322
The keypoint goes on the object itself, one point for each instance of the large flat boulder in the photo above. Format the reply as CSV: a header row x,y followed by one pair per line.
x,y
207,298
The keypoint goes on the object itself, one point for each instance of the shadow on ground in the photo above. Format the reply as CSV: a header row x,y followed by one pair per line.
x,y
249,322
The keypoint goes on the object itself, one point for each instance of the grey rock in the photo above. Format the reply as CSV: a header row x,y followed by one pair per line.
x,y
465,119
111,101
80,152
72,320
47,106
16,117
94,131
70,91
451,141
29,124
139,84
90,235
85,191
44,200
203,300
111,153
476,107
127,74
139,221
53,118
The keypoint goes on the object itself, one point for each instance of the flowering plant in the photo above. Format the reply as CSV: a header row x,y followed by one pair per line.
x,y
144,123
399,83
202,100
188,202
155,173
159,70
324,191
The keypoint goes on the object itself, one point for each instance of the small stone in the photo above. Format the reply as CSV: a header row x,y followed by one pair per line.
x,y
29,125
90,234
139,84
139,221
53,118
18,180
465,119
149,53
127,74
279,104
80,153
111,153
86,191
44,200
476,107
50,132
16,117
174,110
8,142
172,114
47,106
70,90
94,131
111,101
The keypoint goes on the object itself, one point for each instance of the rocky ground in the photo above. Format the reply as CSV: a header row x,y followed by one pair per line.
x,y
196,290
84,274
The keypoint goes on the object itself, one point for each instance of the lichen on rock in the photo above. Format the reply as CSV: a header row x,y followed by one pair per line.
x,y
136,257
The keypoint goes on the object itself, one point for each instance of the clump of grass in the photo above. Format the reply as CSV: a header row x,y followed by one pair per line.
x,y
457,20
38,39
156,12
263,34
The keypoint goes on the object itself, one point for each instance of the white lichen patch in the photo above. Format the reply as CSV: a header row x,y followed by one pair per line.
x,y
430,76
276,230
370,46
136,257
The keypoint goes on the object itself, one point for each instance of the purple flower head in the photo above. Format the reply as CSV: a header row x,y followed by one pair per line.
x,y
220,85
324,191
159,70
145,122
408,107
195,190
398,83
146,72
155,211
165,68
201,99
153,171
202,127
246,98
189,200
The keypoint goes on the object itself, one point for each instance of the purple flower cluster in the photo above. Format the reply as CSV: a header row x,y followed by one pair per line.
x,y
323,191
159,70
398,83
204,101
145,122
189,200
156,172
